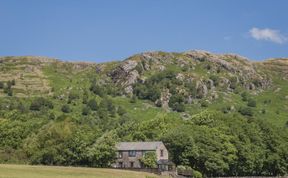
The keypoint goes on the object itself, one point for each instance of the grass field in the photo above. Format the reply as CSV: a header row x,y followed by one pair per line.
x,y
27,171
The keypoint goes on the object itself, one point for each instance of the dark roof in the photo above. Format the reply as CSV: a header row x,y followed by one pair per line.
x,y
138,145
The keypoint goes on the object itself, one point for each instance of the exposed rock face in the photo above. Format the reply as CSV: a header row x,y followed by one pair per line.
x,y
202,89
165,97
210,84
180,77
125,75
232,71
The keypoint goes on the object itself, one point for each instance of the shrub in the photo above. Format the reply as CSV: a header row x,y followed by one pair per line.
x,y
1,85
98,90
196,174
215,79
52,116
133,99
179,107
204,103
92,104
72,96
244,96
66,108
246,111
10,92
85,111
121,111
251,103
149,160
226,109
13,82
40,103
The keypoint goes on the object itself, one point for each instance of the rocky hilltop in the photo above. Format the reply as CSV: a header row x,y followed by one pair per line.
x,y
211,73
219,115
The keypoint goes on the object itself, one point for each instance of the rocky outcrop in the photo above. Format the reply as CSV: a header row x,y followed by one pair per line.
x,y
164,99
232,70
125,75
202,89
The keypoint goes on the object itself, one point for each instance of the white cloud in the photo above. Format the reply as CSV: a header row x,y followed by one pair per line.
x,y
268,35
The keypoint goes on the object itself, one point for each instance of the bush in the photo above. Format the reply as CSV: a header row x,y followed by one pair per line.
x,y
1,85
246,111
196,174
121,111
226,109
251,103
72,96
215,79
179,107
244,96
40,103
10,92
52,116
13,82
204,103
92,104
66,108
147,91
85,111
133,99
98,90
149,160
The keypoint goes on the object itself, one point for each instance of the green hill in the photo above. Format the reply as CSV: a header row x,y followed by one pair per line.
x,y
219,114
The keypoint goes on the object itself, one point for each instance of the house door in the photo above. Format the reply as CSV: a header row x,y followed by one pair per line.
x,y
120,164
131,164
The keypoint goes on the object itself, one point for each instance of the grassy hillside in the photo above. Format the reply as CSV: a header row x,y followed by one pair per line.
x,y
211,111
24,171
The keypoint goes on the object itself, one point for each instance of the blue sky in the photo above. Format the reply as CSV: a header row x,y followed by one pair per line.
x,y
105,30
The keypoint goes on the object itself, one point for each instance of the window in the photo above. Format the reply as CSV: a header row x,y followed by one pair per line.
x,y
161,153
131,164
132,153
120,154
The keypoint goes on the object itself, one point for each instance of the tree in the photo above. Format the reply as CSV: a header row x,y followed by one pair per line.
x,y
102,153
149,160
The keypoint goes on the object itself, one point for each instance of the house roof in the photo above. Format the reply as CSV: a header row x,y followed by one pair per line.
x,y
124,146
